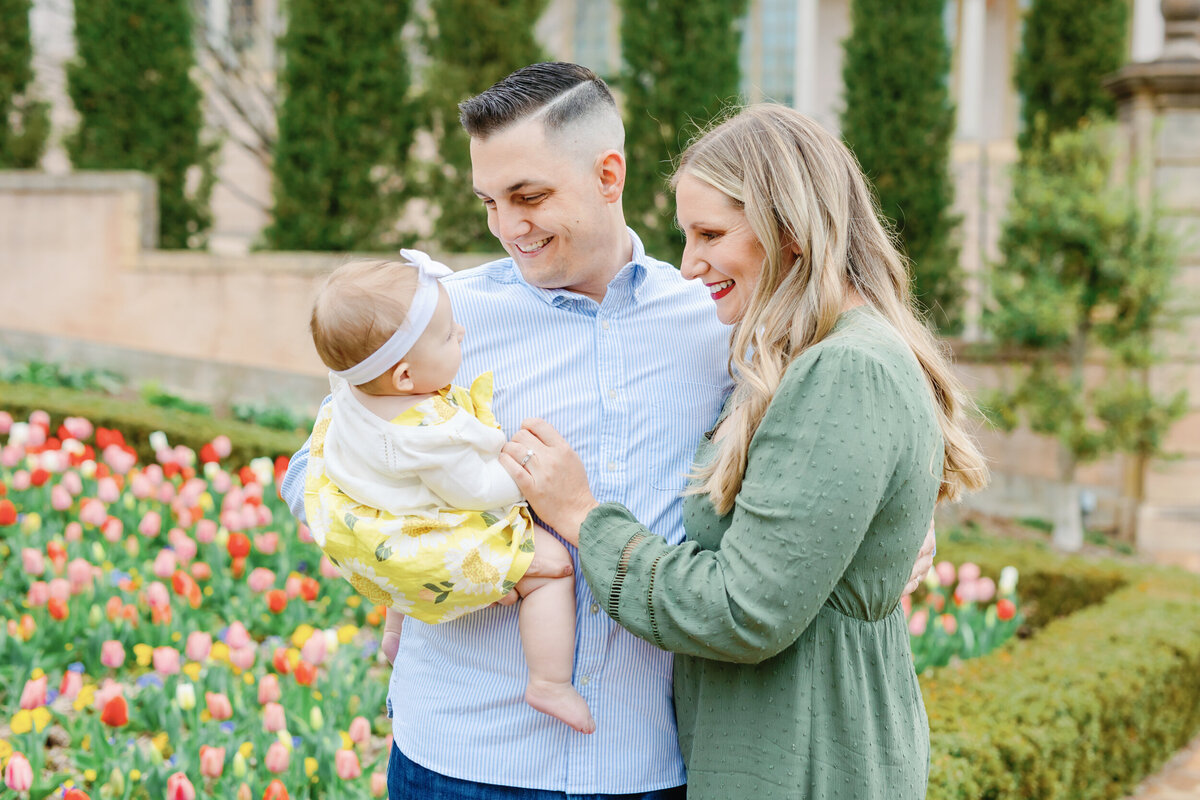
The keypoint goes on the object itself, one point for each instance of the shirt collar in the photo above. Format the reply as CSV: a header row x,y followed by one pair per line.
x,y
625,284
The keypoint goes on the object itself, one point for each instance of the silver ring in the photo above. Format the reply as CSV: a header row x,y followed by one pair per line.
x,y
528,455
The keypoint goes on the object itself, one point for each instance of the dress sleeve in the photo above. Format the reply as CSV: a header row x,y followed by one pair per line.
x,y
470,480
817,471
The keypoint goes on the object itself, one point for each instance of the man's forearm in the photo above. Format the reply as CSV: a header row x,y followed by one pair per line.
x,y
291,489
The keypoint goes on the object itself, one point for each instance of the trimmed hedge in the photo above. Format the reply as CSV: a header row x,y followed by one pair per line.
x,y
137,420
1103,693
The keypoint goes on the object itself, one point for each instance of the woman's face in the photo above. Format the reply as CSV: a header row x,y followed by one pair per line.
x,y
721,251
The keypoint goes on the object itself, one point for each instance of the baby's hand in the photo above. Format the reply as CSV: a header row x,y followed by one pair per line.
x,y
393,622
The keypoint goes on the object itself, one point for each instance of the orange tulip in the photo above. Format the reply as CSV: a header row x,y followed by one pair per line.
x,y
115,713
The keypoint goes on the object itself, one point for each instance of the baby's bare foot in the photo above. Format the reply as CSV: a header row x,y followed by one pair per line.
x,y
561,701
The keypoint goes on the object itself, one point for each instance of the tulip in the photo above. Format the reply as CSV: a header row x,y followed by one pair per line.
x,y
305,673
116,781
1008,580
346,764
18,775
185,549
75,793
237,636
180,788
985,590
185,696
115,713
206,531
34,693
275,791
198,645
378,784
1005,609
292,586
72,483
201,571
107,490
238,545
274,718
268,689
150,525
60,498
8,512
164,564
327,569
157,594
219,707
964,593
918,622
113,529
277,601
79,575
92,512
260,580
242,657
949,623
945,573
20,480
60,589
112,652
968,572
265,542
58,608
316,719
278,758
32,561
360,730
39,593
243,792
313,650
72,682
212,761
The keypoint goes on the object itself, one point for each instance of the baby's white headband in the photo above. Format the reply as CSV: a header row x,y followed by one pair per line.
x,y
424,303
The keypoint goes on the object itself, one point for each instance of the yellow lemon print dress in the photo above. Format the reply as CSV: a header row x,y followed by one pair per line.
x,y
417,512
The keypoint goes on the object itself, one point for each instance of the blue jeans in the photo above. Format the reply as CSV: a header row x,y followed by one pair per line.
x,y
408,780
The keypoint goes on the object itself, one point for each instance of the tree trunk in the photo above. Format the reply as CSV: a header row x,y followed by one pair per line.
x,y
1068,516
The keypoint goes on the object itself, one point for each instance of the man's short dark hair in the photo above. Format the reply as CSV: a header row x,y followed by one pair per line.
x,y
571,90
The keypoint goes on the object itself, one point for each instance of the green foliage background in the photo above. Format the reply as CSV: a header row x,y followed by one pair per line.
x,y
346,124
680,71
471,44
22,143
139,108
899,121
1067,47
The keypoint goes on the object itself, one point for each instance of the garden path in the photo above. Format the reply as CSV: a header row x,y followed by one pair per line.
x,y
1179,779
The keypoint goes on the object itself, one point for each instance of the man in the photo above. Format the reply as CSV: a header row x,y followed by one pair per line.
x,y
629,362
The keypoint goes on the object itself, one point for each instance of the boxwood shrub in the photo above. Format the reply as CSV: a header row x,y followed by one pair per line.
x,y
137,420
1101,693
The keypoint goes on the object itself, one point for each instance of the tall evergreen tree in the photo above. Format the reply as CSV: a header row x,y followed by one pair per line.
x,y
471,44
346,124
899,121
1067,47
24,121
140,109
680,71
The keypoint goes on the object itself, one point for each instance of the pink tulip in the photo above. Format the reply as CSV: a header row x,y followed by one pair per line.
x,y
183,514
6,422
120,461
72,682
918,622
945,573
165,564
150,525
303,533
109,690
223,446
140,486
278,758
112,654
274,718
242,657
11,455
93,512
18,775
166,493
313,650
268,689
185,549
157,595
360,730
237,636
79,428
60,498
72,483
248,518
964,593
346,764
40,418
79,575
73,532
328,570
60,589
183,455
206,531
222,482
166,660
378,784
107,490
264,518
20,480
219,707
198,645
968,572
985,590
260,580
231,519
113,529
180,788
34,693
32,561
212,761
39,594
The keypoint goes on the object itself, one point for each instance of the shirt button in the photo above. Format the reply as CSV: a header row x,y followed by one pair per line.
x,y
612,466
612,394
595,608
585,680
604,324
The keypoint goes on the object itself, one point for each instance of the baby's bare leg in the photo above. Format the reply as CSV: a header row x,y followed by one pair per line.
x,y
547,622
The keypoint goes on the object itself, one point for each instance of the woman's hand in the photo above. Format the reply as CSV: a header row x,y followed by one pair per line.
x,y
551,476
924,560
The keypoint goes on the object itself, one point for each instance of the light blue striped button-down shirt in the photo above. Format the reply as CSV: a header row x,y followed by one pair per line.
x,y
632,383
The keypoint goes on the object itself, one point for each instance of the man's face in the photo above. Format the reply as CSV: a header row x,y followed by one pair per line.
x,y
544,204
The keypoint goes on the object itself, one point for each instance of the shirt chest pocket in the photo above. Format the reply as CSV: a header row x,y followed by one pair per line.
x,y
681,415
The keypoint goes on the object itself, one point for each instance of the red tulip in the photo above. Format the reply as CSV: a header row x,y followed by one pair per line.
x,y
239,545
1005,609
180,788
58,608
39,477
279,660
8,512
309,589
277,600
76,794
275,791
306,673
115,713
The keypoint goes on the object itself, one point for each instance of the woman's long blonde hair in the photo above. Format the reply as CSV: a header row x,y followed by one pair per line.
x,y
797,183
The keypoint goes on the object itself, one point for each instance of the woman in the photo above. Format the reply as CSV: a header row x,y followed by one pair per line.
x,y
810,498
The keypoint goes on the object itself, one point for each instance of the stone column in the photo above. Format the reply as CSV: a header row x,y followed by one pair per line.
x,y
1159,104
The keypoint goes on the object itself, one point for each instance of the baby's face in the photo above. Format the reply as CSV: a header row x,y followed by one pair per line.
x,y
434,359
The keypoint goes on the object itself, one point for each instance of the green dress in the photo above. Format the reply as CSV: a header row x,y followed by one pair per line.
x,y
793,674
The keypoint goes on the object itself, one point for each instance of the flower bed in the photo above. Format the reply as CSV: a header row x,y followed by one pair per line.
x,y
1101,694
168,632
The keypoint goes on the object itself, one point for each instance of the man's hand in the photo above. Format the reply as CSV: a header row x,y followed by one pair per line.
x,y
392,623
924,561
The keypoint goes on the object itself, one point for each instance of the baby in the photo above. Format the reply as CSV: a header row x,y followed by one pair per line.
x,y
404,492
